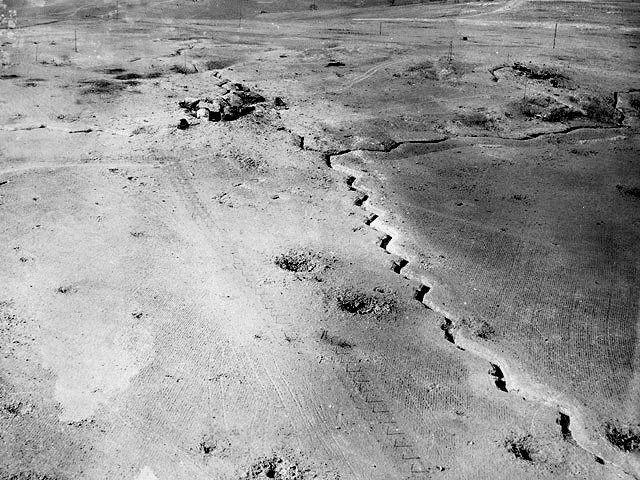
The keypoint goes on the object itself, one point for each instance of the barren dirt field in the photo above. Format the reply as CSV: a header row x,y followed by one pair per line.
x,y
250,240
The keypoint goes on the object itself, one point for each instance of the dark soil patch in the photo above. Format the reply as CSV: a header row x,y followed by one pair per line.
x,y
628,190
624,437
217,64
101,87
128,76
521,446
114,71
9,76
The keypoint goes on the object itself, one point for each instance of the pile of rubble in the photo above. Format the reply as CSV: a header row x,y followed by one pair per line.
x,y
234,101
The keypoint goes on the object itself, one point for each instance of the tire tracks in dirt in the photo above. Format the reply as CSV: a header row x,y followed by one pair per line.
x,y
269,370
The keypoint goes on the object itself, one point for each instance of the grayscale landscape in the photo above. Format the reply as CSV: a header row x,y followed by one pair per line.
x,y
330,239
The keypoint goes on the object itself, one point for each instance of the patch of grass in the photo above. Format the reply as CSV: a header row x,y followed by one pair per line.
x,y
624,437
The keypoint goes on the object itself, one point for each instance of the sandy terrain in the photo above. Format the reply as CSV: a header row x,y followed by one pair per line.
x,y
421,261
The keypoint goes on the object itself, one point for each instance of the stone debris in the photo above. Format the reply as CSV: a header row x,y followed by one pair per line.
x,y
236,101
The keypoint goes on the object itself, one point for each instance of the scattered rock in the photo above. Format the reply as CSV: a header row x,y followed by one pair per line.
x,y
279,103
236,101
183,124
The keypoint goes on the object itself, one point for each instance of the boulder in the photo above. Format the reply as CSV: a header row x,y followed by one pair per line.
x,y
183,124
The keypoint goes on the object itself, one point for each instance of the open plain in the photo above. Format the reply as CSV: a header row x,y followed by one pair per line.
x,y
246,240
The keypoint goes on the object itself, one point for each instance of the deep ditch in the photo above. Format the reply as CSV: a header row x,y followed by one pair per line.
x,y
421,293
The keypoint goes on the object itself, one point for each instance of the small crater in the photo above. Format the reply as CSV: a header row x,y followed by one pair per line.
x,y
364,303
66,289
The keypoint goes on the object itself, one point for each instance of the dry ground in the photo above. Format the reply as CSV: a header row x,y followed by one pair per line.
x,y
425,266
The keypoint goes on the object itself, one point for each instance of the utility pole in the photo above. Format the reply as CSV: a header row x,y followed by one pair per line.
x,y
450,51
555,32
75,39
117,8
380,28
36,51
